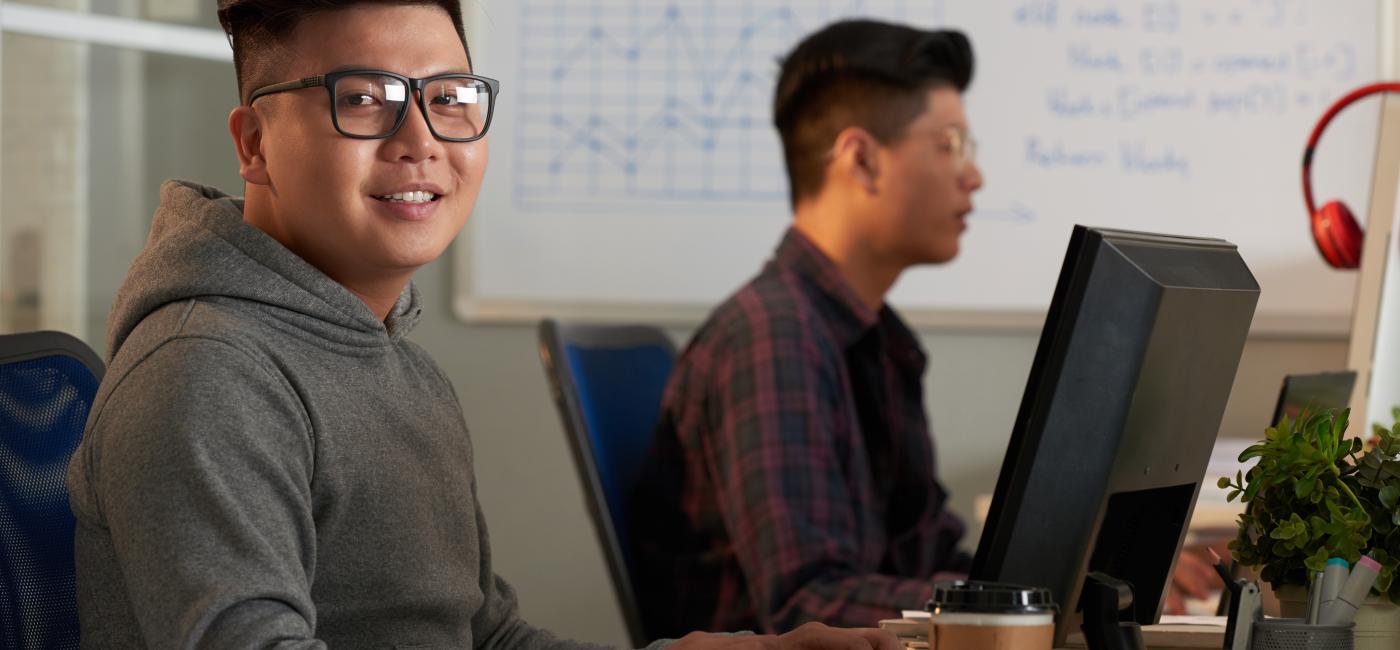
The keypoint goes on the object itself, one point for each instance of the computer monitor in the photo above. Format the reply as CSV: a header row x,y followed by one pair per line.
x,y
1313,393
1124,401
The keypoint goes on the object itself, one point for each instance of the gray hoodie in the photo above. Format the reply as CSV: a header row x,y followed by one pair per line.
x,y
269,465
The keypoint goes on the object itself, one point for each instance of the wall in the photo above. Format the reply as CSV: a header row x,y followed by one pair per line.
x,y
41,235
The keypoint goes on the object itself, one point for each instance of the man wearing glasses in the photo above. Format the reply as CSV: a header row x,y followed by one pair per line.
x,y
792,477
270,462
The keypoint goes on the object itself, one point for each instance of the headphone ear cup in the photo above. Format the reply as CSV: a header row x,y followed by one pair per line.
x,y
1337,235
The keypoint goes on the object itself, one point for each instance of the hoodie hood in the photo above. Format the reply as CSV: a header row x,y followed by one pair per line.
x,y
199,248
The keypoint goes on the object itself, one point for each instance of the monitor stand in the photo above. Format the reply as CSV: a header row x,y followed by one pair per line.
x,y
1101,601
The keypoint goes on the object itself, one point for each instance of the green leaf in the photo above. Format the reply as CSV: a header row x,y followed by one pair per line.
x,y
1223,483
1325,440
1253,451
1317,561
1304,488
1390,496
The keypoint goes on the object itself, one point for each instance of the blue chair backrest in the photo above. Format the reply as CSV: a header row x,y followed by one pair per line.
x,y
608,383
47,384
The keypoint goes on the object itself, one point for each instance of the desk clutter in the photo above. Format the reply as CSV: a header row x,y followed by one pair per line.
x,y
1174,633
1334,597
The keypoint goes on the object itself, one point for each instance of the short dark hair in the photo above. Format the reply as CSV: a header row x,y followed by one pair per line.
x,y
258,30
864,73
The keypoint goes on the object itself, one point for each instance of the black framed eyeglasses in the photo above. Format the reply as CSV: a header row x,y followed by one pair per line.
x,y
372,104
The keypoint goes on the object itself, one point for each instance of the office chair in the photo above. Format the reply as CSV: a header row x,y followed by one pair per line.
x,y
47,384
607,382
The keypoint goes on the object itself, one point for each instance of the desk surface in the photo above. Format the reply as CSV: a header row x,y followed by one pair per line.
x,y
1170,637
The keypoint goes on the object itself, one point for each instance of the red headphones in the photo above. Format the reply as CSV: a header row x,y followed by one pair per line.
x,y
1335,230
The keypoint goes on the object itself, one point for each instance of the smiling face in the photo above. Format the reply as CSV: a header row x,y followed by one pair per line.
x,y
364,212
925,188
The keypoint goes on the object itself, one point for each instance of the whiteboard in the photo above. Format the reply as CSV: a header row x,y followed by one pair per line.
x,y
634,169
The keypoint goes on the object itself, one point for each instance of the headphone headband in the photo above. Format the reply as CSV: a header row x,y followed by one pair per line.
x,y
1346,100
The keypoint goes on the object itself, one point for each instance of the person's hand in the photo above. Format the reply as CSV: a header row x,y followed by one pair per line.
x,y
1193,578
812,636
815,636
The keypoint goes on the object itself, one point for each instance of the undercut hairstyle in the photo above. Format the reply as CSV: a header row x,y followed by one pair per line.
x,y
258,31
863,73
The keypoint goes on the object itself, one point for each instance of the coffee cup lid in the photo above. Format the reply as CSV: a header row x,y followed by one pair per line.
x,y
975,596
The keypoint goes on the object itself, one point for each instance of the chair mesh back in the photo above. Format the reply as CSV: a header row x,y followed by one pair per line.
x,y
44,405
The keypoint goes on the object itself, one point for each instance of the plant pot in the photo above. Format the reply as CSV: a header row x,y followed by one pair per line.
x,y
1377,622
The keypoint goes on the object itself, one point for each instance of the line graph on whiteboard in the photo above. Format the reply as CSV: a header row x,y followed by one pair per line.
x,y
628,100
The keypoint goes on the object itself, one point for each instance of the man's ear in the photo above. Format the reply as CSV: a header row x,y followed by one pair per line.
x,y
245,125
856,155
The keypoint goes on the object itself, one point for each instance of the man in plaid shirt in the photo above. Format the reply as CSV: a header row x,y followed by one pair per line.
x,y
792,477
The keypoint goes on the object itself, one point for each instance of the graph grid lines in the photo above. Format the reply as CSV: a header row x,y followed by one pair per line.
x,y
637,100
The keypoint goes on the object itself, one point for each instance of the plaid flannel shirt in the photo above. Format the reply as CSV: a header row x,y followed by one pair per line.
x,y
792,475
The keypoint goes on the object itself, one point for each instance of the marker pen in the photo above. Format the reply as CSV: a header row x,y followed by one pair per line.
x,y
1332,580
1358,584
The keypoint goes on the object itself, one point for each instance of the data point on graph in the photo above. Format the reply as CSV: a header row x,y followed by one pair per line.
x,y
628,100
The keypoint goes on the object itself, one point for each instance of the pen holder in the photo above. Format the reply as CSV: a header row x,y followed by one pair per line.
x,y
1294,634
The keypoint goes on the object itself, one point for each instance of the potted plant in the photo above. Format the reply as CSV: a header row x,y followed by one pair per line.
x,y
1315,494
